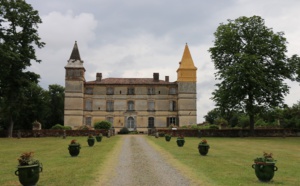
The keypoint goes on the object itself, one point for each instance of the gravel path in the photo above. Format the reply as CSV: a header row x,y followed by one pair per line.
x,y
140,164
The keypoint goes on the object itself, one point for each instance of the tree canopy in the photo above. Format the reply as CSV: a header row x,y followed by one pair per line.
x,y
18,39
251,65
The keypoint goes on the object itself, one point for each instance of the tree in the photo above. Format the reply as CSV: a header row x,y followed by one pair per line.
x,y
55,105
18,37
251,65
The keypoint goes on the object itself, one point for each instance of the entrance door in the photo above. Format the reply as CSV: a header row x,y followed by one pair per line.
x,y
130,124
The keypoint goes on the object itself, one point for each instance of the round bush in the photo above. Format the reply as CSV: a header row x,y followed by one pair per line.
x,y
124,130
58,127
213,127
102,125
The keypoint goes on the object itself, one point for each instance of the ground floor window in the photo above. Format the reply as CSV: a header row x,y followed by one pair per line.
x,y
151,122
130,123
172,121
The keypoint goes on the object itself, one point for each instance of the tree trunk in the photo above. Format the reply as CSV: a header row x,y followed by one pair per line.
x,y
10,128
251,118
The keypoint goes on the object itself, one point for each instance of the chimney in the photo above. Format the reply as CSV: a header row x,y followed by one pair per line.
x,y
99,77
166,78
156,77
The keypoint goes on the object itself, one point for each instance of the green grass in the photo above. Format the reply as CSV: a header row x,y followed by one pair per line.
x,y
59,168
229,160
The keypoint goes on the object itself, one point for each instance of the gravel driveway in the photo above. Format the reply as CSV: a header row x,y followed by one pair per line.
x,y
139,164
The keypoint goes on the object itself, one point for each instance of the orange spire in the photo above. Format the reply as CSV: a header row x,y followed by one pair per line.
x,y
187,70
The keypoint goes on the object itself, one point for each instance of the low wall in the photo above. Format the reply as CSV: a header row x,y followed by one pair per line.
x,y
54,133
228,132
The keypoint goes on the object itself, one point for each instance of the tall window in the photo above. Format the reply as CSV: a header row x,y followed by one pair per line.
x,y
109,90
109,106
130,91
172,90
130,105
151,91
172,105
88,105
88,121
151,122
151,106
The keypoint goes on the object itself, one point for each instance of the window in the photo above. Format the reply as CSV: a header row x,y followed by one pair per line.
x,y
172,121
89,90
88,121
151,122
130,105
151,91
130,91
172,105
109,90
151,106
88,105
109,106
172,90
111,120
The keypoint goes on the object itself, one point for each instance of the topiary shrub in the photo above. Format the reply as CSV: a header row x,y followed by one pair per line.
x,y
102,125
84,127
58,127
61,127
124,130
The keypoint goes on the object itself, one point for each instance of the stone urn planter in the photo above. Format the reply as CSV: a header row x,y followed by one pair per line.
x,y
168,137
91,140
99,137
74,148
180,141
265,167
28,169
203,147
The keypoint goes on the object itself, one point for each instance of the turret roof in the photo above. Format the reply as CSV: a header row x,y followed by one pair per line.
x,y
186,61
75,52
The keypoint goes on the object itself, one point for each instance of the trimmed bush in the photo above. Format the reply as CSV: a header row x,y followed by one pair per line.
x,y
213,127
102,125
84,127
61,127
124,130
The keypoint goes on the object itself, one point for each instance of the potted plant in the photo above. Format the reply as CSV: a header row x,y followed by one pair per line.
x,y
180,140
91,140
168,137
99,137
28,169
74,148
203,147
265,167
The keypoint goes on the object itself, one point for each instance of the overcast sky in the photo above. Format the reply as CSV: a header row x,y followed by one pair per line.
x,y
134,38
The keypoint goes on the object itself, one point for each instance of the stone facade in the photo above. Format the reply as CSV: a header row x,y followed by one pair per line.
x,y
135,103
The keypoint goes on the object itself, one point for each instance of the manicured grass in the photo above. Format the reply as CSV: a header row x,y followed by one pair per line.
x,y
229,160
59,168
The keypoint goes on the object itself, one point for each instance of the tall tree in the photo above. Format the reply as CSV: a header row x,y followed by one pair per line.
x,y
18,37
251,65
55,105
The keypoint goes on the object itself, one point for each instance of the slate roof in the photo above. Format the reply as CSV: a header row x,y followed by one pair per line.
x,y
129,81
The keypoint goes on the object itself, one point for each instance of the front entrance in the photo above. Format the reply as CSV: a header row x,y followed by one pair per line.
x,y
130,124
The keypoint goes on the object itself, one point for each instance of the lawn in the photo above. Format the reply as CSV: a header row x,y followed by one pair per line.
x,y
59,168
229,160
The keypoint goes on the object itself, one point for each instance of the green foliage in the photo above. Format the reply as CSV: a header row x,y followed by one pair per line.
x,y
244,121
234,120
124,130
84,127
61,127
221,121
102,125
213,127
251,65
19,39
212,115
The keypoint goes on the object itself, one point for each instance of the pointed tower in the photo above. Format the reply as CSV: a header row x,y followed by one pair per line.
x,y
187,90
74,89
